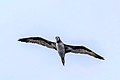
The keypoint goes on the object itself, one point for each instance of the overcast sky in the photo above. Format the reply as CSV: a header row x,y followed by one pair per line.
x,y
92,23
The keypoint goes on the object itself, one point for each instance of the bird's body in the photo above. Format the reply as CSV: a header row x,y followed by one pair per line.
x,y
61,47
61,50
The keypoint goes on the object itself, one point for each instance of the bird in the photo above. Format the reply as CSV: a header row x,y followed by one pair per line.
x,y
61,47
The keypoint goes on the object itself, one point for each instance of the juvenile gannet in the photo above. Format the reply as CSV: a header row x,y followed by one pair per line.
x,y
61,48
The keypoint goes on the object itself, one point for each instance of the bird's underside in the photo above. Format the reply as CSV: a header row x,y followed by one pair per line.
x,y
68,48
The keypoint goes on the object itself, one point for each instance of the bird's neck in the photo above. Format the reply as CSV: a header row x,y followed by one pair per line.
x,y
59,41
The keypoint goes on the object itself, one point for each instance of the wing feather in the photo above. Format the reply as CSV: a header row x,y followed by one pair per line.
x,y
40,41
82,50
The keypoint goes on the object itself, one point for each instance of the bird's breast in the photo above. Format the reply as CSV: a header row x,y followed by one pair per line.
x,y
60,47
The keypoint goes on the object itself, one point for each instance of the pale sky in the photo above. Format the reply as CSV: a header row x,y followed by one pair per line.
x,y
92,23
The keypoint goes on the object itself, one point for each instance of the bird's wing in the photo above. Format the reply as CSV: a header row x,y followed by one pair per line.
x,y
82,50
40,41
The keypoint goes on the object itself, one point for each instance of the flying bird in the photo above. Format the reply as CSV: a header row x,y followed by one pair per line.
x,y
60,47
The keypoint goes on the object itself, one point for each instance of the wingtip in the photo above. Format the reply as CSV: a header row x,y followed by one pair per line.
x,y
19,39
103,58
22,40
100,57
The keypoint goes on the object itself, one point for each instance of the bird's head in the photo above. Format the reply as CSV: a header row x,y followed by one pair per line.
x,y
57,39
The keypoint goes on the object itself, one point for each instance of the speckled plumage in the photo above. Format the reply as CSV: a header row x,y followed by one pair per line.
x,y
61,47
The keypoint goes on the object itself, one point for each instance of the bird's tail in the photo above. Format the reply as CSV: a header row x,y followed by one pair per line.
x,y
63,60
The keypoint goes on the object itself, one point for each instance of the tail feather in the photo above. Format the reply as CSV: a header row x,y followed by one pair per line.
x,y
63,61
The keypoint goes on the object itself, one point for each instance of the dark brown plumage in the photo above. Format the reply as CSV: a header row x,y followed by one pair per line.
x,y
61,47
